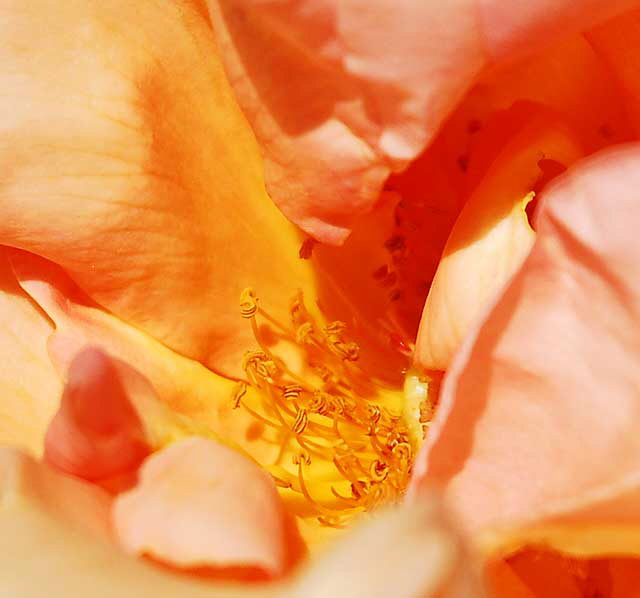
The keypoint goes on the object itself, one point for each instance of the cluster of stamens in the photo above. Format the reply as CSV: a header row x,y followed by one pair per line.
x,y
330,415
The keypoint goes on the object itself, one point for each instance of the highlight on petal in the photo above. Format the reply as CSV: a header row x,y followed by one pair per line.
x,y
127,161
201,504
412,550
535,437
96,433
29,386
491,236
55,533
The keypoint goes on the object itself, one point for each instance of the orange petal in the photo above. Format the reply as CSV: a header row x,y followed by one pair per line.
x,y
616,42
96,433
340,93
126,160
490,238
29,386
201,504
539,408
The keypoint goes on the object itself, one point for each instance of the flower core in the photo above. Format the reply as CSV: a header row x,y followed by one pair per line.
x,y
343,444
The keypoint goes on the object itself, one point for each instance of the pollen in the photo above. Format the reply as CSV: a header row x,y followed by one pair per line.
x,y
343,446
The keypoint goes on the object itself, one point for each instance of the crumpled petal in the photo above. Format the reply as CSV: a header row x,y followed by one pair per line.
x,y
29,386
201,504
536,428
491,236
96,432
341,93
126,160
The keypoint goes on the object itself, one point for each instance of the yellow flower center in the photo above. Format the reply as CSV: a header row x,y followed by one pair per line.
x,y
343,446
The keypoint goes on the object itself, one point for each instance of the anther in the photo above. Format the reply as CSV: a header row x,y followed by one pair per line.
x,y
378,471
301,457
402,452
292,392
374,413
320,403
304,332
359,489
248,303
301,421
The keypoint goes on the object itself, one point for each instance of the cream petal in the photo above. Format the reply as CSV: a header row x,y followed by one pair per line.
x,y
201,504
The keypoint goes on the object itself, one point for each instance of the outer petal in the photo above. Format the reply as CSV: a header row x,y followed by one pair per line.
x,y
54,533
341,93
539,409
29,386
125,159
200,504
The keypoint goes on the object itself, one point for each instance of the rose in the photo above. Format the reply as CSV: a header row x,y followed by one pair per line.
x,y
132,279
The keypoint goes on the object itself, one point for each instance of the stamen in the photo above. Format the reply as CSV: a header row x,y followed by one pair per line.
x,y
295,405
300,423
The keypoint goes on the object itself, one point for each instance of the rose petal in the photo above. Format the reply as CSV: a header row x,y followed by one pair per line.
x,y
173,396
409,551
96,433
538,411
54,533
28,485
616,42
341,93
29,386
126,160
491,236
201,504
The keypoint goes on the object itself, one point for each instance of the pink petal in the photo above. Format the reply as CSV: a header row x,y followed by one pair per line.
x,y
199,504
341,93
539,410
96,433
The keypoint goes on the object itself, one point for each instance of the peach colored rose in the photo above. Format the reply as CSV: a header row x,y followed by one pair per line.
x,y
190,380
